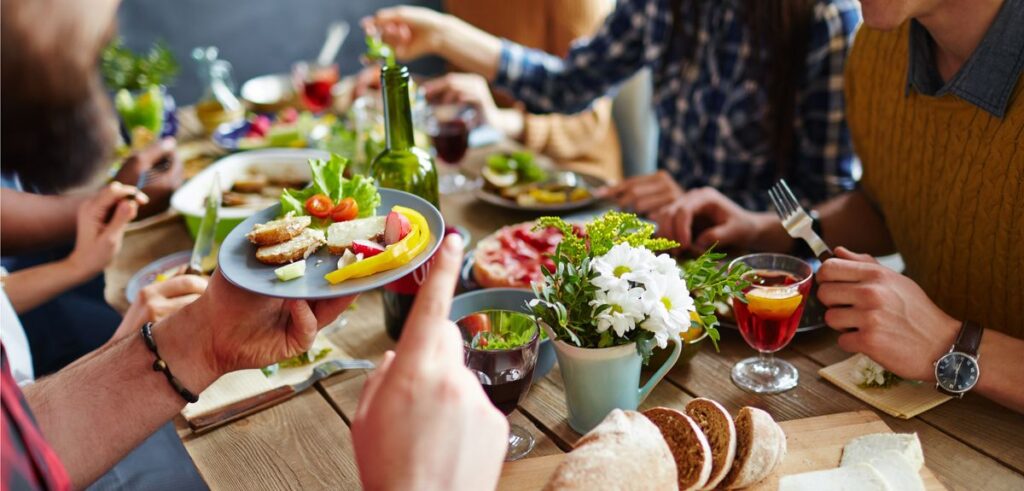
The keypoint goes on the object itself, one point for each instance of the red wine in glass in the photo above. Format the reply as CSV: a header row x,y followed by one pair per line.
x,y
316,94
770,317
451,139
506,390
314,82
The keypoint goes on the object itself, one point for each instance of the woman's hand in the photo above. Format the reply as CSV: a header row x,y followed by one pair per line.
x,y
159,300
472,89
705,217
423,420
101,224
890,318
411,31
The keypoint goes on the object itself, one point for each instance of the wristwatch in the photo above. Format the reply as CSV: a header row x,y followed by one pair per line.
x,y
957,371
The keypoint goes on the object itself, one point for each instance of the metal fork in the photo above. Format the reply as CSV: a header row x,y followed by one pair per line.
x,y
150,175
795,219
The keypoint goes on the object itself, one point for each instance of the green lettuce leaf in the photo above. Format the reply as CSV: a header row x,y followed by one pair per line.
x,y
364,191
328,179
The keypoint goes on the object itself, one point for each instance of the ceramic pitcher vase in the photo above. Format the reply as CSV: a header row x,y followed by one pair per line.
x,y
598,380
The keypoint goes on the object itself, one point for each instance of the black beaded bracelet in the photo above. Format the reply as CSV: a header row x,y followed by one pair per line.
x,y
159,365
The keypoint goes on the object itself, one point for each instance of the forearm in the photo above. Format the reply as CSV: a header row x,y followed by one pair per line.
x,y
468,48
852,221
101,407
1002,374
32,287
29,221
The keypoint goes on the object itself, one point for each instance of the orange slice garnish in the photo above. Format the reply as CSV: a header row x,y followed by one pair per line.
x,y
773,303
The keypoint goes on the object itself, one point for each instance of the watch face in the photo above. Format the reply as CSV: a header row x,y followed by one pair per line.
x,y
956,372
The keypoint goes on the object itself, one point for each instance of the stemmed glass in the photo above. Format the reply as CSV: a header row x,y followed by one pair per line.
x,y
314,83
775,299
501,350
449,126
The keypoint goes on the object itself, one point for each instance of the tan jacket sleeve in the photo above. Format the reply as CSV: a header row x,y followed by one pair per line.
x,y
574,136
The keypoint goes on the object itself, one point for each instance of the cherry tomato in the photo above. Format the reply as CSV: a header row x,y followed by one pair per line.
x,y
319,205
346,210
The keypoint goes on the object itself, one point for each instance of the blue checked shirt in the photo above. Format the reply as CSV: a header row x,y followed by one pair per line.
x,y
710,112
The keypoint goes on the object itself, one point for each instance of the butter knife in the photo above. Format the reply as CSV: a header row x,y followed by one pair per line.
x,y
259,402
207,229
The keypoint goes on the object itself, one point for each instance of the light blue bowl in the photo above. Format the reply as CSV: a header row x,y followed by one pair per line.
x,y
504,299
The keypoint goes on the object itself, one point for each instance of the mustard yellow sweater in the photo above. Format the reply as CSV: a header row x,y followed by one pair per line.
x,y
949,179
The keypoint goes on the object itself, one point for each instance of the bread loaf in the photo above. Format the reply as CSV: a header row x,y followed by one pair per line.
x,y
758,448
689,446
625,451
718,427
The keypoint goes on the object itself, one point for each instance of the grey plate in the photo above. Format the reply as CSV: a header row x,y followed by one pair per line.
x,y
237,259
592,182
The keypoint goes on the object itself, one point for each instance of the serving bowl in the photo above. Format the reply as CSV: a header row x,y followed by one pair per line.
x,y
504,299
275,163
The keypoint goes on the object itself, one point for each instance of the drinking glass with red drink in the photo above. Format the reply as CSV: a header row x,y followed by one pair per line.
x,y
775,299
314,83
501,350
449,126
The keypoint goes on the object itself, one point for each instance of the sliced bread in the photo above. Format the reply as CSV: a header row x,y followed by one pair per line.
x,y
859,477
625,451
867,447
898,471
297,248
689,446
278,231
758,448
341,235
717,425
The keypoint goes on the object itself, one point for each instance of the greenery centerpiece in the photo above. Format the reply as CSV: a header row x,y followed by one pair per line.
x,y
610,286
139,82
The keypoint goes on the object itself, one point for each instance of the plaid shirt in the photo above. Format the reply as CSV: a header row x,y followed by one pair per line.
x,y
710,112
27,460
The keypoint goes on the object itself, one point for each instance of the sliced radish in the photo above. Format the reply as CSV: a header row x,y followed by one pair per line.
x,y
366,248
396,227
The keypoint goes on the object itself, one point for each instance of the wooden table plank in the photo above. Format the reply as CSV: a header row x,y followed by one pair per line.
x,y
300,444
988,427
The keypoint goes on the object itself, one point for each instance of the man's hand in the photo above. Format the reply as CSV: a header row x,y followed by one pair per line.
x,y
101,224
161,185
423,420
472,89
895,322
645,195
159,300
704,217
229,329
411,31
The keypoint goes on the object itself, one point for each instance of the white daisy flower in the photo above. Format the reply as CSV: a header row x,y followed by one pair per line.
x,y
625,312
667,304
620,265
664,264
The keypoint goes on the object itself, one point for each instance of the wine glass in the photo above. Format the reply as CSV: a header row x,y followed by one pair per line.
x,y
314,83
775,299
501,350
448,126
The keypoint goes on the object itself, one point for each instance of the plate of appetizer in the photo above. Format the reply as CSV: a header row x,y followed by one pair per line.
x,y
512,257
516,181
337,237
286,128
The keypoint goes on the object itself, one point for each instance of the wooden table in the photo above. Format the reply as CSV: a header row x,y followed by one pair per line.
x,y
305,443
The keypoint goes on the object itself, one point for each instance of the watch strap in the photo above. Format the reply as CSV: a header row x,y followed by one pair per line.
x,y
969,339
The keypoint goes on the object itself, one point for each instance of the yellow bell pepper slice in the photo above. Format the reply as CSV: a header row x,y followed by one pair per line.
x,y
394,255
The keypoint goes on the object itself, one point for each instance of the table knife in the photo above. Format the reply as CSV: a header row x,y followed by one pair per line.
x,y
259,402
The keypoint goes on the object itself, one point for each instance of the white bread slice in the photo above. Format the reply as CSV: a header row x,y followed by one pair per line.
x,y
297,248
340,235
859,477
758,448
625,451
688,444
898,471
867,447
717,425
278,231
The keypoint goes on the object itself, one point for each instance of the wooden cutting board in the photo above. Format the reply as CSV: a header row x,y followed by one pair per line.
x,y
813,444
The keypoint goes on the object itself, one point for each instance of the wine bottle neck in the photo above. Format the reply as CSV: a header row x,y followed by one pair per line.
x,y
394,83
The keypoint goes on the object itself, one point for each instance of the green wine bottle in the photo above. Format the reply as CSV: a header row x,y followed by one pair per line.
x,y
404,167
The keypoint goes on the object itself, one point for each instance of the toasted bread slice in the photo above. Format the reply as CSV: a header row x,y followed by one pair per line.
x,y
278,231
758,449
717,425
340,235
297,248
689,446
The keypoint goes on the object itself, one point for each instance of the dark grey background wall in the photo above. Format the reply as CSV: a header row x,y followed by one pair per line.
x,y
256,36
